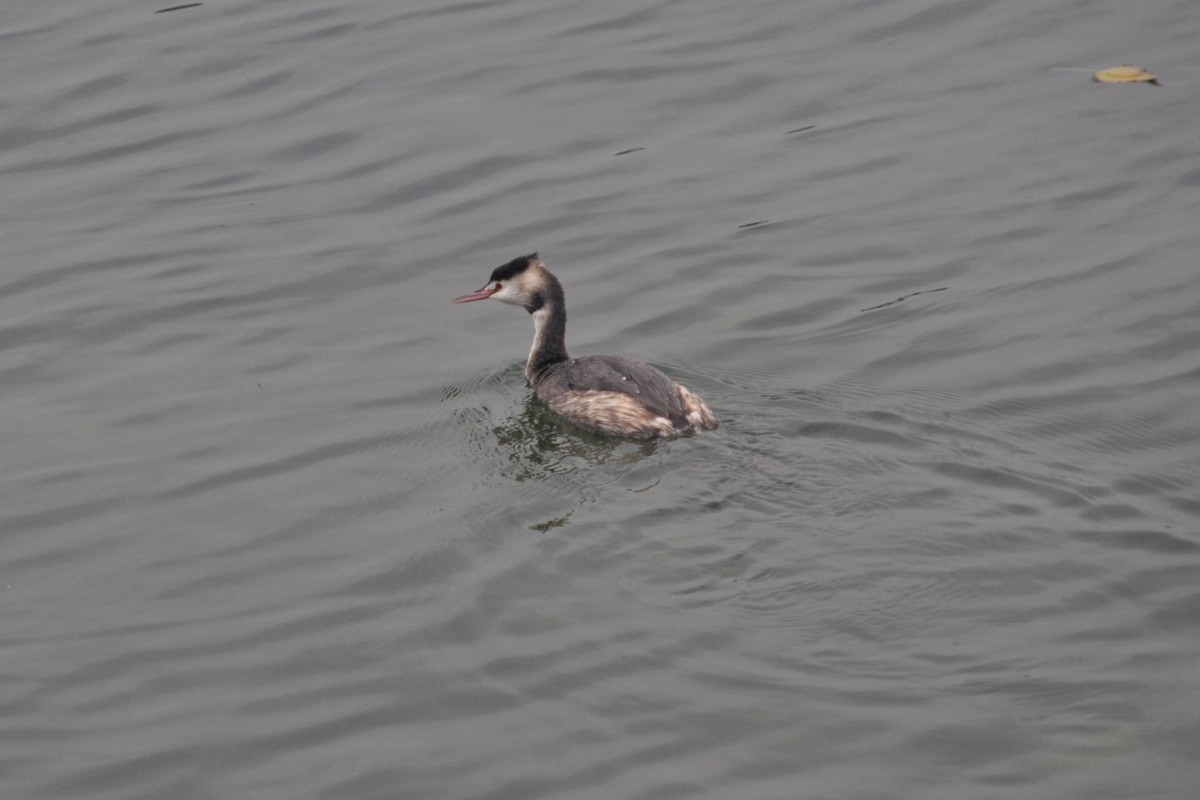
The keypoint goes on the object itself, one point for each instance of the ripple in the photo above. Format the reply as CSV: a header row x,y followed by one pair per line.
x,y
269,505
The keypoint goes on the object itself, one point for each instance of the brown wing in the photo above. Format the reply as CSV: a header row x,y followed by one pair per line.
x,y
612,413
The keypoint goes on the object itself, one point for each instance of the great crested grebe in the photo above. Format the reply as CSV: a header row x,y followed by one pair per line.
x,y
608,394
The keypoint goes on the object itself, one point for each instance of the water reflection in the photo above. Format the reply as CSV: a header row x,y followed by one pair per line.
x,y
536,445
520,449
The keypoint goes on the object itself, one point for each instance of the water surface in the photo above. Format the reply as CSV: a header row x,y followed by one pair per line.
x,y
279,521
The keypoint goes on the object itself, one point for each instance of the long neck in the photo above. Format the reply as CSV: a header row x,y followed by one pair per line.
x,y
549,330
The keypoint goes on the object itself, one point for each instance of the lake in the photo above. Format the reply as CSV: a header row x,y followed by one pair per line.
x,y
280,521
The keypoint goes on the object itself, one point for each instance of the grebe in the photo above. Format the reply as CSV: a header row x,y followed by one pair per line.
x,y
612,395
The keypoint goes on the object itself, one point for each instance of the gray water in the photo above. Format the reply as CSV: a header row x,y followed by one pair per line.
x,y
279,521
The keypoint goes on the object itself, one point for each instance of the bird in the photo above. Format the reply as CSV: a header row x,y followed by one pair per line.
x,y
609,395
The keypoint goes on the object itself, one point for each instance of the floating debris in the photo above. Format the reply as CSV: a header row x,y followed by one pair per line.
x,y
754,224
802,130
178,8
551,524
630,150
1126,73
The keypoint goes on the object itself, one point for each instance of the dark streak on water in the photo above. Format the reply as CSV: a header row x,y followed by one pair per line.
x,y
177,8
277,520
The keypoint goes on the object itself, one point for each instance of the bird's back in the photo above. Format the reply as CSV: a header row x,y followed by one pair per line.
x,y
622,396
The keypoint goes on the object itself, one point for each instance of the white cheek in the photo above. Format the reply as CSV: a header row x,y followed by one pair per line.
x,y
507,295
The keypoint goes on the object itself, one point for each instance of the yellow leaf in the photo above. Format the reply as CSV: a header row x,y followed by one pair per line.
x,y
1125,74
